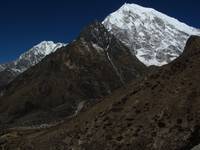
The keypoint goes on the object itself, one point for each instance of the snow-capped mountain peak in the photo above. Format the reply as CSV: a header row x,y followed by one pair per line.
x,y
26,60
47,47
150,13
154,37
43,48
32,56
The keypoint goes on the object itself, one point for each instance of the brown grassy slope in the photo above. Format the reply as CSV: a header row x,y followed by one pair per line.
x,y
160,112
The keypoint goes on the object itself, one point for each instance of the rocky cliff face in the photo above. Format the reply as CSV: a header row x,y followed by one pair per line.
x,y
85,70
155,38
160,111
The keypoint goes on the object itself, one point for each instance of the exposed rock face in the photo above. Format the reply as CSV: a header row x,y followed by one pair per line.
x,y
197,147
155,38
159,112
87,69
28,59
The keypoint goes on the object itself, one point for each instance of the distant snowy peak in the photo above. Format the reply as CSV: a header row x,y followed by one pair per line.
x,y
144,13
44,48
11,70
32,56
47,47
155,38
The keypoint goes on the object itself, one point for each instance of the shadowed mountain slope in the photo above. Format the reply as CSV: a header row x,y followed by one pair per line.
x,y
88,69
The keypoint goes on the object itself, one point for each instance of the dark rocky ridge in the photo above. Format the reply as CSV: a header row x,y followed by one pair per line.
x,y
89,68
160,111
6,76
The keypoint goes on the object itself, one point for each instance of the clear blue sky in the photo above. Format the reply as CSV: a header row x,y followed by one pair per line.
x,y
24,23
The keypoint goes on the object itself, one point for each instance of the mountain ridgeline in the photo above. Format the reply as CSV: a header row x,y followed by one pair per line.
x,y
153,37
87,69
104,90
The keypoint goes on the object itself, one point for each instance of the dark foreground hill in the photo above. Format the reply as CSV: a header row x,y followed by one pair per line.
x,y
89,68
159,112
